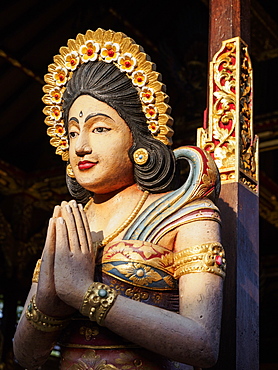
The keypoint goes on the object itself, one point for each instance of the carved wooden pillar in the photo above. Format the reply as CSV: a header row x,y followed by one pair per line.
x,y
228,19
228,136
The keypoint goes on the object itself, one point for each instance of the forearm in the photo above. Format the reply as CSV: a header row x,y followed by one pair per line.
x,y
32,347
167,333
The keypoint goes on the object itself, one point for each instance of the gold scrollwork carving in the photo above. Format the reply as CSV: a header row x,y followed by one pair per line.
x,y
136,295
139,274
89,332
90,360
229,136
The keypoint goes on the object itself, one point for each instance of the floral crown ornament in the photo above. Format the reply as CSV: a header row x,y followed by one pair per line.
x,y
110,47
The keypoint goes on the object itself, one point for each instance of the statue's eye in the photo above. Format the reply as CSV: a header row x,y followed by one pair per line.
x,y
99,130
73,134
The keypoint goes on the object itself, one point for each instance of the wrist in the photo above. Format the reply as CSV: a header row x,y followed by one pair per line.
x,y
43,322
97,302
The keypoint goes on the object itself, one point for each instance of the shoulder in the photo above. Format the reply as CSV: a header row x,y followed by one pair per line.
x,y
198,217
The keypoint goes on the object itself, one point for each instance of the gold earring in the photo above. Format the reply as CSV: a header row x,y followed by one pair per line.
x,y
70,171
140,156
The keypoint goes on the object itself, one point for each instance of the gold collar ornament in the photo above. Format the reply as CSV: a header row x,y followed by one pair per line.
x,y
110,47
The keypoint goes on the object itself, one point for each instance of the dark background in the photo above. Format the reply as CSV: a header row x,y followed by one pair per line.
x,y
175,34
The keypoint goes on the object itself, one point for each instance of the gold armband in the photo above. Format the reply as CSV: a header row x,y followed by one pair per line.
x,y
208,257
42,322
36,273
97,301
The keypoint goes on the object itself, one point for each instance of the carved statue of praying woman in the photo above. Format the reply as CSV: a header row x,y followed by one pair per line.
x,y
132,269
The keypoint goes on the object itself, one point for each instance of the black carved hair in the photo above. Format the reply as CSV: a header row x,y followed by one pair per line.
x,y
108,84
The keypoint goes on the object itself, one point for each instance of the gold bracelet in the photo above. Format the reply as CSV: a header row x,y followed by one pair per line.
x,y
42,322
208,257
36,273
97,301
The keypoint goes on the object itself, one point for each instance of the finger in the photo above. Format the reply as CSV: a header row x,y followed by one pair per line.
x,y
62,238
49,246
57,212
47,263
62,252
84,246
67,214
87,227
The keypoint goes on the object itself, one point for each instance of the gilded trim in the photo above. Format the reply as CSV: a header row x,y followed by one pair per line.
x,y
229,137
209,257
36,273
140,275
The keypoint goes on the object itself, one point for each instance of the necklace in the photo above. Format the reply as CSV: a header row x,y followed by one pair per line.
x,y
125,224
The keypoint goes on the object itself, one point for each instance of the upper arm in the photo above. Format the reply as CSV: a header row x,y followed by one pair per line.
x,y
201,292
197,232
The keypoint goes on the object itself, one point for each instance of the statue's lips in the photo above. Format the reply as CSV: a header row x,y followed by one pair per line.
x,y
85,165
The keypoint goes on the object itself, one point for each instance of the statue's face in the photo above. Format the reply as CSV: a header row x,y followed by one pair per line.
x,y
99,142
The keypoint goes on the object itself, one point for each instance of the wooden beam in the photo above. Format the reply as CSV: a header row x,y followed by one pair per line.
x,y
228,136
227,19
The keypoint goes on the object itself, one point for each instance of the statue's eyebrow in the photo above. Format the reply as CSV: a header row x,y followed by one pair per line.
x,y
97,114
74,119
